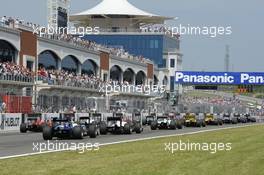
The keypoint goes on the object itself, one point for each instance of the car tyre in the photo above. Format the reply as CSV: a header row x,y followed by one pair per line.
x,y
153,125
127,129
199,124
92,131
179,125
23,128
137,128
144,122
77,132
103,129
47,133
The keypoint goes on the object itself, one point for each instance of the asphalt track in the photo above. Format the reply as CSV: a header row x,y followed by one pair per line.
x,y
18,144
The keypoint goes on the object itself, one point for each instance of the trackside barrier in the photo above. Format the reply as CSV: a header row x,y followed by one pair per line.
x,y
10,122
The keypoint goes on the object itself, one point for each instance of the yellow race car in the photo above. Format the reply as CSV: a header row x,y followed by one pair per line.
x,y
196,120
213,119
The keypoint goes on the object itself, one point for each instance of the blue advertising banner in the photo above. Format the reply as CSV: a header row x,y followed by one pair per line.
x,y
218,78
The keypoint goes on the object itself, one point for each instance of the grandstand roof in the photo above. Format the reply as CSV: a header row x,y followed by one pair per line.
x,y
117,8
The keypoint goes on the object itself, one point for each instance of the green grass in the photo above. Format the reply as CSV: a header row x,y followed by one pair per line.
x,y
149,158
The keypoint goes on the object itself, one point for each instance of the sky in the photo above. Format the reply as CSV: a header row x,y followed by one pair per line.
x,y
201,53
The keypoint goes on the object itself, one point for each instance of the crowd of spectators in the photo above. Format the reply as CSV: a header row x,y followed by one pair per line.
x,y
68,109
91,45
13,22
68,78
74,40
14,72
220,104
212,100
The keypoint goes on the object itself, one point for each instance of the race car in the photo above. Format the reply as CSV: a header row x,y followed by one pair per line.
x,y
213,119
240,118
33,123
167,121
89,128
249,118
63,128
149,119
118,125
97,119
229,118
196,120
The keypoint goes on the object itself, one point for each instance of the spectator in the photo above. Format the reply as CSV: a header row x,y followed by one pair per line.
x,y
3,20
15,72
3,107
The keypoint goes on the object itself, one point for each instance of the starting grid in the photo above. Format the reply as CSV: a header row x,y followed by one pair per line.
x,y
12,121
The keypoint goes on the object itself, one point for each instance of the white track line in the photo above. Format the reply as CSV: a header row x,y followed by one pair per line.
x,y
132,140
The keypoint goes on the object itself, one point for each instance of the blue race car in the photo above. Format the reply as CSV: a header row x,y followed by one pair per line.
x,y
63,128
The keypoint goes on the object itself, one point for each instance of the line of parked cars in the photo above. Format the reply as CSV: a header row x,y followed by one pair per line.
x,y
94,124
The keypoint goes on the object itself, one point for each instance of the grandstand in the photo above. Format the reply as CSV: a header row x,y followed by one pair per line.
x,y
60,72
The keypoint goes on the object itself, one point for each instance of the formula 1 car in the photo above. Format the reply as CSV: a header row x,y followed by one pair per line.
x,y
240,118
167,121
63,128
89,128
249,118
93,125
33,123
229,118
97,118
117,125
196,120
213,119
149,119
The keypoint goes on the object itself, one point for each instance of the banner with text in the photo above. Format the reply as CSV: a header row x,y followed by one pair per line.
x,y
218,78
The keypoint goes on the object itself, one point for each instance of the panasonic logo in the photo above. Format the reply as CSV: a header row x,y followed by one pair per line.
x,y
246,78
219,78
204,79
